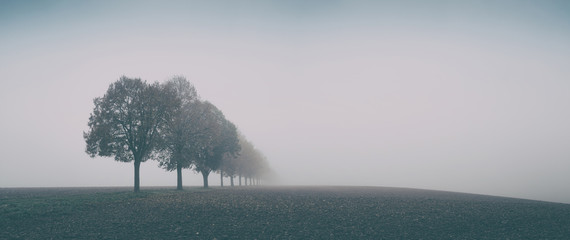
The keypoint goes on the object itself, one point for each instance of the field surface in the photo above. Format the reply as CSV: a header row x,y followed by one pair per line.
x,y
274,213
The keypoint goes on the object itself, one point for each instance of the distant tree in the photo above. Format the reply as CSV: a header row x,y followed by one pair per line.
x,y
126,122
260,168
229,150
181,131
228,162
228,168
250,163
219,139
241,161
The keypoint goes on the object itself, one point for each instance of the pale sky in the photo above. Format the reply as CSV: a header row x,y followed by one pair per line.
x,y
446,95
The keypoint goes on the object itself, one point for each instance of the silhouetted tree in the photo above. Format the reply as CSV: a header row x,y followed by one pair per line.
x,y
126,122
219,139
182,130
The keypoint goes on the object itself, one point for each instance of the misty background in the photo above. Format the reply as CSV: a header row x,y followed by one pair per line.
x,y
446,95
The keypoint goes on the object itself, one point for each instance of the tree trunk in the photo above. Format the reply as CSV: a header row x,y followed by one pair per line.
x,y
232,180
221,178
179,177
239,177
205,177
245,181
137,176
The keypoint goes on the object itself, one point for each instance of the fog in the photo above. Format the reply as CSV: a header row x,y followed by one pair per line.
x,y
444,95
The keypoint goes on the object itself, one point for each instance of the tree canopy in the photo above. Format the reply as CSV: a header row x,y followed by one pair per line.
x,y
182,129
219,139
126,122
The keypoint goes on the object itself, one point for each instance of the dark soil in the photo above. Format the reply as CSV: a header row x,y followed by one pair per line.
x,y
274,213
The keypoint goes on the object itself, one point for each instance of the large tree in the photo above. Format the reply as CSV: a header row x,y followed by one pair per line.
x,y
219,140
182,130
126,122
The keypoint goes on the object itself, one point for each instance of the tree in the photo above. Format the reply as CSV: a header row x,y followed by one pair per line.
x,y
245,150
219,139
228,168
181,130
244,158
250,163
229,148
126,122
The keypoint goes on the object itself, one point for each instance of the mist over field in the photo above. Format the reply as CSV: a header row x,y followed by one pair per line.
x,y
445,95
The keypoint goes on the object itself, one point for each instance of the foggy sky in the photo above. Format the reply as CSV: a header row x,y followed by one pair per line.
x,y
446,95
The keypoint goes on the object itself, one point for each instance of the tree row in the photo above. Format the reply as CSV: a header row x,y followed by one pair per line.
x,y
135,121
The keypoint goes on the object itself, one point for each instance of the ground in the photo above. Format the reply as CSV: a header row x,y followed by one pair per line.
x,y
274,213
